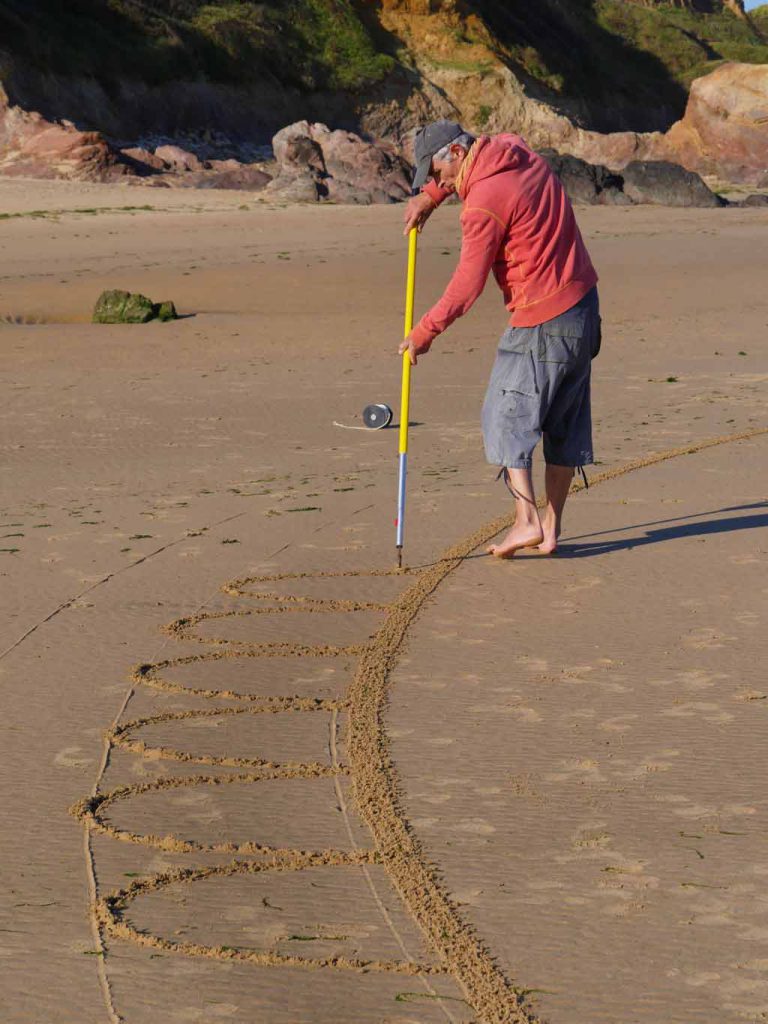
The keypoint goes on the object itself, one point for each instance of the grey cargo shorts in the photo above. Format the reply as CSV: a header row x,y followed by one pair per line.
x,y
540,386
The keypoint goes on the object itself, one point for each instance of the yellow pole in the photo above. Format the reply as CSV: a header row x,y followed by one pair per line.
x,y
405,395
410,290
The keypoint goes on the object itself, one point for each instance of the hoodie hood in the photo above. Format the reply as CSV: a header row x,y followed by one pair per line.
x,y
489,156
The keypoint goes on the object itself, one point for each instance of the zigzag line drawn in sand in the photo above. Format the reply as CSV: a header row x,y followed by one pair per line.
x,y
182,628
241,587
119,736
149,675
90,810
377,790
110,912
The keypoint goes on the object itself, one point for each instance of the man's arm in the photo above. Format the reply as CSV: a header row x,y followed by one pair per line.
x,y
419,207
483,233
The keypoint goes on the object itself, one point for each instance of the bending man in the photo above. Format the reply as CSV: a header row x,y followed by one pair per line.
x,y
518,222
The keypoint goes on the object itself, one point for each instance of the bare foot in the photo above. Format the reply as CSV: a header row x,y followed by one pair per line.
x,y
524,535
551,530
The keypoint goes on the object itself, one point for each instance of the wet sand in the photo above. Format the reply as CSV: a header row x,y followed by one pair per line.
x,y
292,722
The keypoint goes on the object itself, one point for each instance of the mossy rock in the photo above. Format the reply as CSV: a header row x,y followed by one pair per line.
x,y
166,311
118,307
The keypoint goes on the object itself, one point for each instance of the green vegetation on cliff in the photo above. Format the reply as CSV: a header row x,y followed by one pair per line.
x,y
619,63
689,43
629,64
305,44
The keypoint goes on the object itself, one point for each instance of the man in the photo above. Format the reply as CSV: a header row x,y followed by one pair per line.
x,y
518,222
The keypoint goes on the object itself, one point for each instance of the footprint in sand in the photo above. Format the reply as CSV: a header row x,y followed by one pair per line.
x,y
71,757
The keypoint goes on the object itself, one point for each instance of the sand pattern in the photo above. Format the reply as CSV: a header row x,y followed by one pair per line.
x,y
452,946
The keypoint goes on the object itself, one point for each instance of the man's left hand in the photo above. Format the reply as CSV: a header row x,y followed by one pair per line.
x,y
414,349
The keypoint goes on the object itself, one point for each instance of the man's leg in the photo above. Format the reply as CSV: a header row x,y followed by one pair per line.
x,y
527,531
558,482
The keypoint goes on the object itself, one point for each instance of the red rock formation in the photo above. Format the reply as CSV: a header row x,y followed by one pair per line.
x,y
178,159
144,158
723,133
725,127
315,162
32,147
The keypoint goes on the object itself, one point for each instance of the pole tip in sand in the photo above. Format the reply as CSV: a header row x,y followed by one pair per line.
x,y
399,557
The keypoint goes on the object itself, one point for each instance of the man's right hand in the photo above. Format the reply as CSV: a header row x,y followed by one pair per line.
x,y
417,211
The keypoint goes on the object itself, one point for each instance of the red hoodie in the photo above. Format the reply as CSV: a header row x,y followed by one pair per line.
x,y
517,220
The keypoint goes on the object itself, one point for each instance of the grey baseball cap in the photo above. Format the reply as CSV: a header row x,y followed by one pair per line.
x,y
431,140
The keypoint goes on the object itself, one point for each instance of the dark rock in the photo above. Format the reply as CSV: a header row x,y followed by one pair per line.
x,y
614,196
642,181
118,307
666,184
584,182
757,199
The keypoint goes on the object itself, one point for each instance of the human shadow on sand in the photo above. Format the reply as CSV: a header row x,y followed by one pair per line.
x,y
678,528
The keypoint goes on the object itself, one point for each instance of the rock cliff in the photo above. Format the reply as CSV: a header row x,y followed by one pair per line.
x,y
600,79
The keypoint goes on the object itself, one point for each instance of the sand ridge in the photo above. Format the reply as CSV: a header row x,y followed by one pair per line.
x,y
119,736
109,912
149,675
90,810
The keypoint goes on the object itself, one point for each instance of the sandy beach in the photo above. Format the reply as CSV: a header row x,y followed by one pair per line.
x,y
251,772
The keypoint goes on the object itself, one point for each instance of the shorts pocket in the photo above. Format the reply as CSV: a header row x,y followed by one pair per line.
x,y
518,376
518,340
558,348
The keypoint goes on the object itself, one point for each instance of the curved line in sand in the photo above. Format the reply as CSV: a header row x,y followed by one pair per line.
x,y
299,603
120,735
90,809
148,675
238,587
181,629
110,911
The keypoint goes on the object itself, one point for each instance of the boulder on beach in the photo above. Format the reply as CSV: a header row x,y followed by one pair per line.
x,y
725,127
642,181
33,147
120,307
666,184
585,182
166,311
178,167
315,162
144,161
177,159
